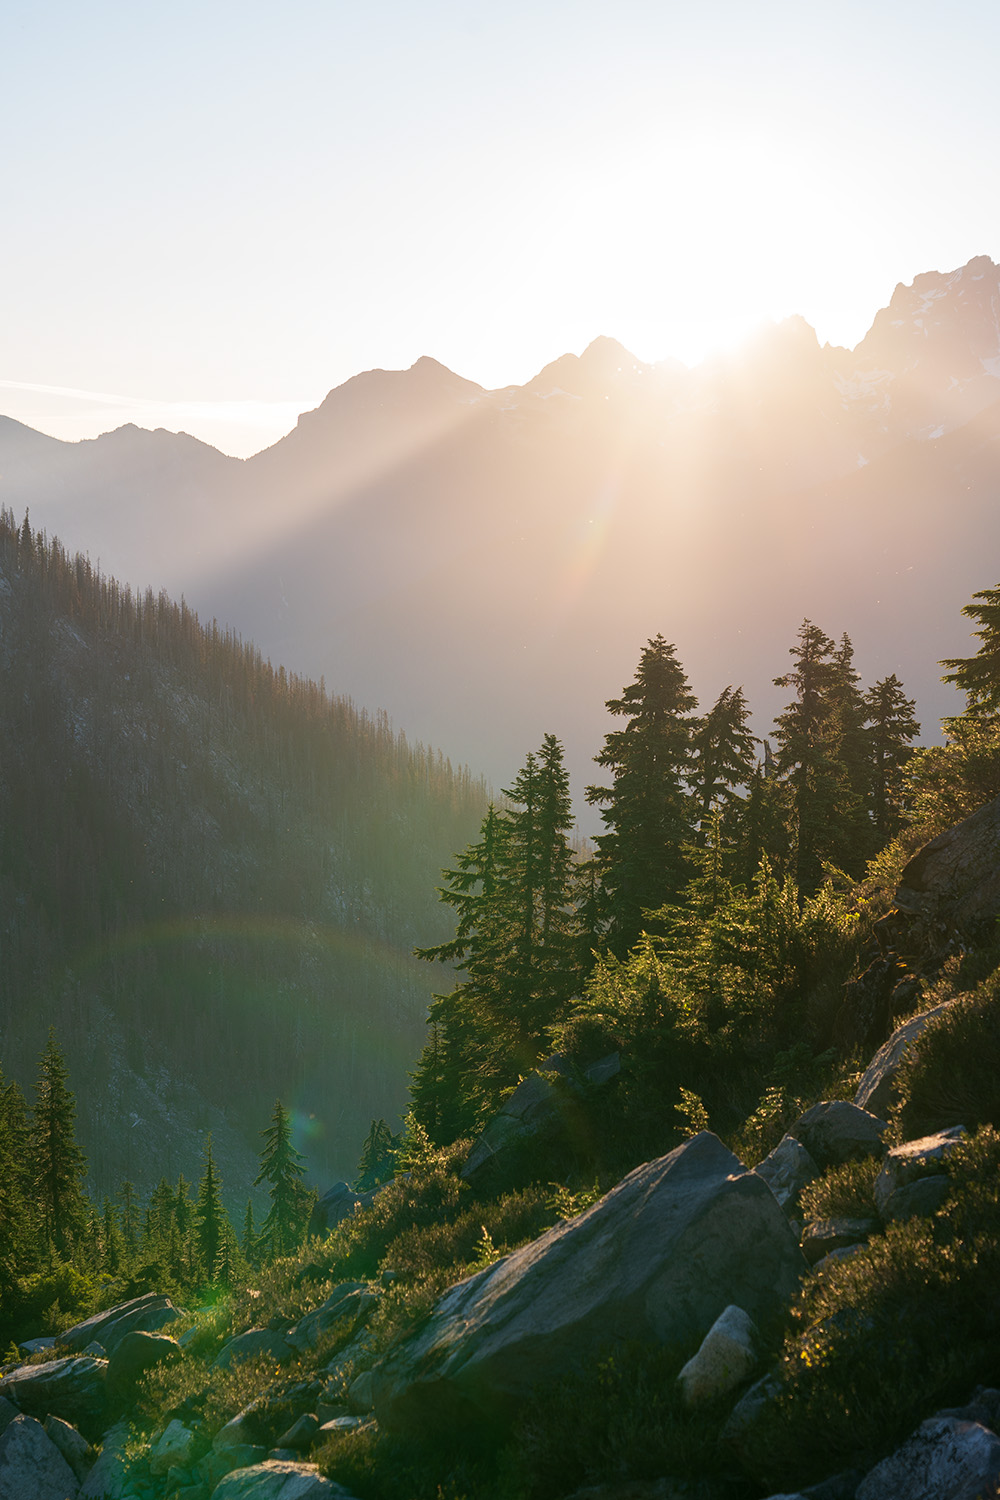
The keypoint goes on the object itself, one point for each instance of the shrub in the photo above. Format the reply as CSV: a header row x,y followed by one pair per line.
x,y
951,1075
885,1337
844,1192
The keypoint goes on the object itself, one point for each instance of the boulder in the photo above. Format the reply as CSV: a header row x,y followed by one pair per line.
x,y
175,1447
787,1170
754,1407
917,1200
347,1304
149,1313
72,1445
135,1354
835,1132
109,1478
361,1394
945,1459
338,1203
543,1103
905,1163
953,883
71,1388
877,1089
31,1466
725,1359
8,1411
250,1345
277,1479
656,1260
824,1236
299,1436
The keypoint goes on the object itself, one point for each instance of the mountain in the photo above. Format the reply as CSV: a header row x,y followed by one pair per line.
x,y
486,565
212,877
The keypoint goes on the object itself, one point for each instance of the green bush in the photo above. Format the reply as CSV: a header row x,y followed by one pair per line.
x,y
951,1075
888,1335
844,1192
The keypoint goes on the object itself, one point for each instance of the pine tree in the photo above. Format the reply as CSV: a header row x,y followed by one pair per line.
x,y
248,1240
978,677
726,756
17,1222
209,1214
808,744
377,1163
647,810
58,1164
514,945
281,1168
892,728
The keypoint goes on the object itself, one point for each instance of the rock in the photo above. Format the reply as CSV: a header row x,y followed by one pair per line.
x,y
338,1203
543,1103
301,1433
656,1260
870,1003
945,1459
72,1388
72,1445
108,1479
277,1480
250,1345
953,883
339,1425
917,1199
35,1346
31,1466
877,1089
8,1411
726,1358
907,1162
826,1235
175,1446
347,1304
749,1410
835,1132
361,1394
787,1170
136,1353
149,1313
215,1466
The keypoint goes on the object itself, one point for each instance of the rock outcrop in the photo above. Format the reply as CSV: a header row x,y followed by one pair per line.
x,y
952,884
656,1260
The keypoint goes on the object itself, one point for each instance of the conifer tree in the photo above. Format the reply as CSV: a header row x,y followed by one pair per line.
x,y
58,1163
892,728
978,677
514,944
248,1240
17,1220
281,1168
725,756
647,811
377,1163
209,1214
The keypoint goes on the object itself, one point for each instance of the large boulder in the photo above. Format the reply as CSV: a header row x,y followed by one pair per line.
x,y
278,1479
786,1170
834,1132
953,883
252,1344
148,1313
877,1089
31,1466
72,1388
656,1260
346,1305
337,1204
136,1353
726,1358
945,1459
912,1160
544,1103
109,1478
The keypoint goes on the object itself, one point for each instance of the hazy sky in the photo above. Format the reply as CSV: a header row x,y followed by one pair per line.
x,y
212,213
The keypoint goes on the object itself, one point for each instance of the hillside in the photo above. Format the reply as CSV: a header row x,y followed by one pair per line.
x,y
480,564
212,876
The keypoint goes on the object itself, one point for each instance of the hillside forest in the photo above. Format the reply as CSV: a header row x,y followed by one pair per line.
x,y
720,939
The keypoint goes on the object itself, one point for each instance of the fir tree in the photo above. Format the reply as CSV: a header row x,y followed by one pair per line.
x,y
647,811
892,728
281,1168
978,677
725,756
59,1165
808,744
209,1214
377,1163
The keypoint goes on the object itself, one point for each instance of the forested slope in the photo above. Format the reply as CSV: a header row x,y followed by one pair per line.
x,y
212,875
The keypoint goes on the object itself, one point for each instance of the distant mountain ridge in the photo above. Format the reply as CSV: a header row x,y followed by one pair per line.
x,y
485,565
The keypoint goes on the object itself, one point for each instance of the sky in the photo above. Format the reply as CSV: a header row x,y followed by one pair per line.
x,y
211,214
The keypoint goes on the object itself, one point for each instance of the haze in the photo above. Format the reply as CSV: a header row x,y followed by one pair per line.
x,y
212,215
